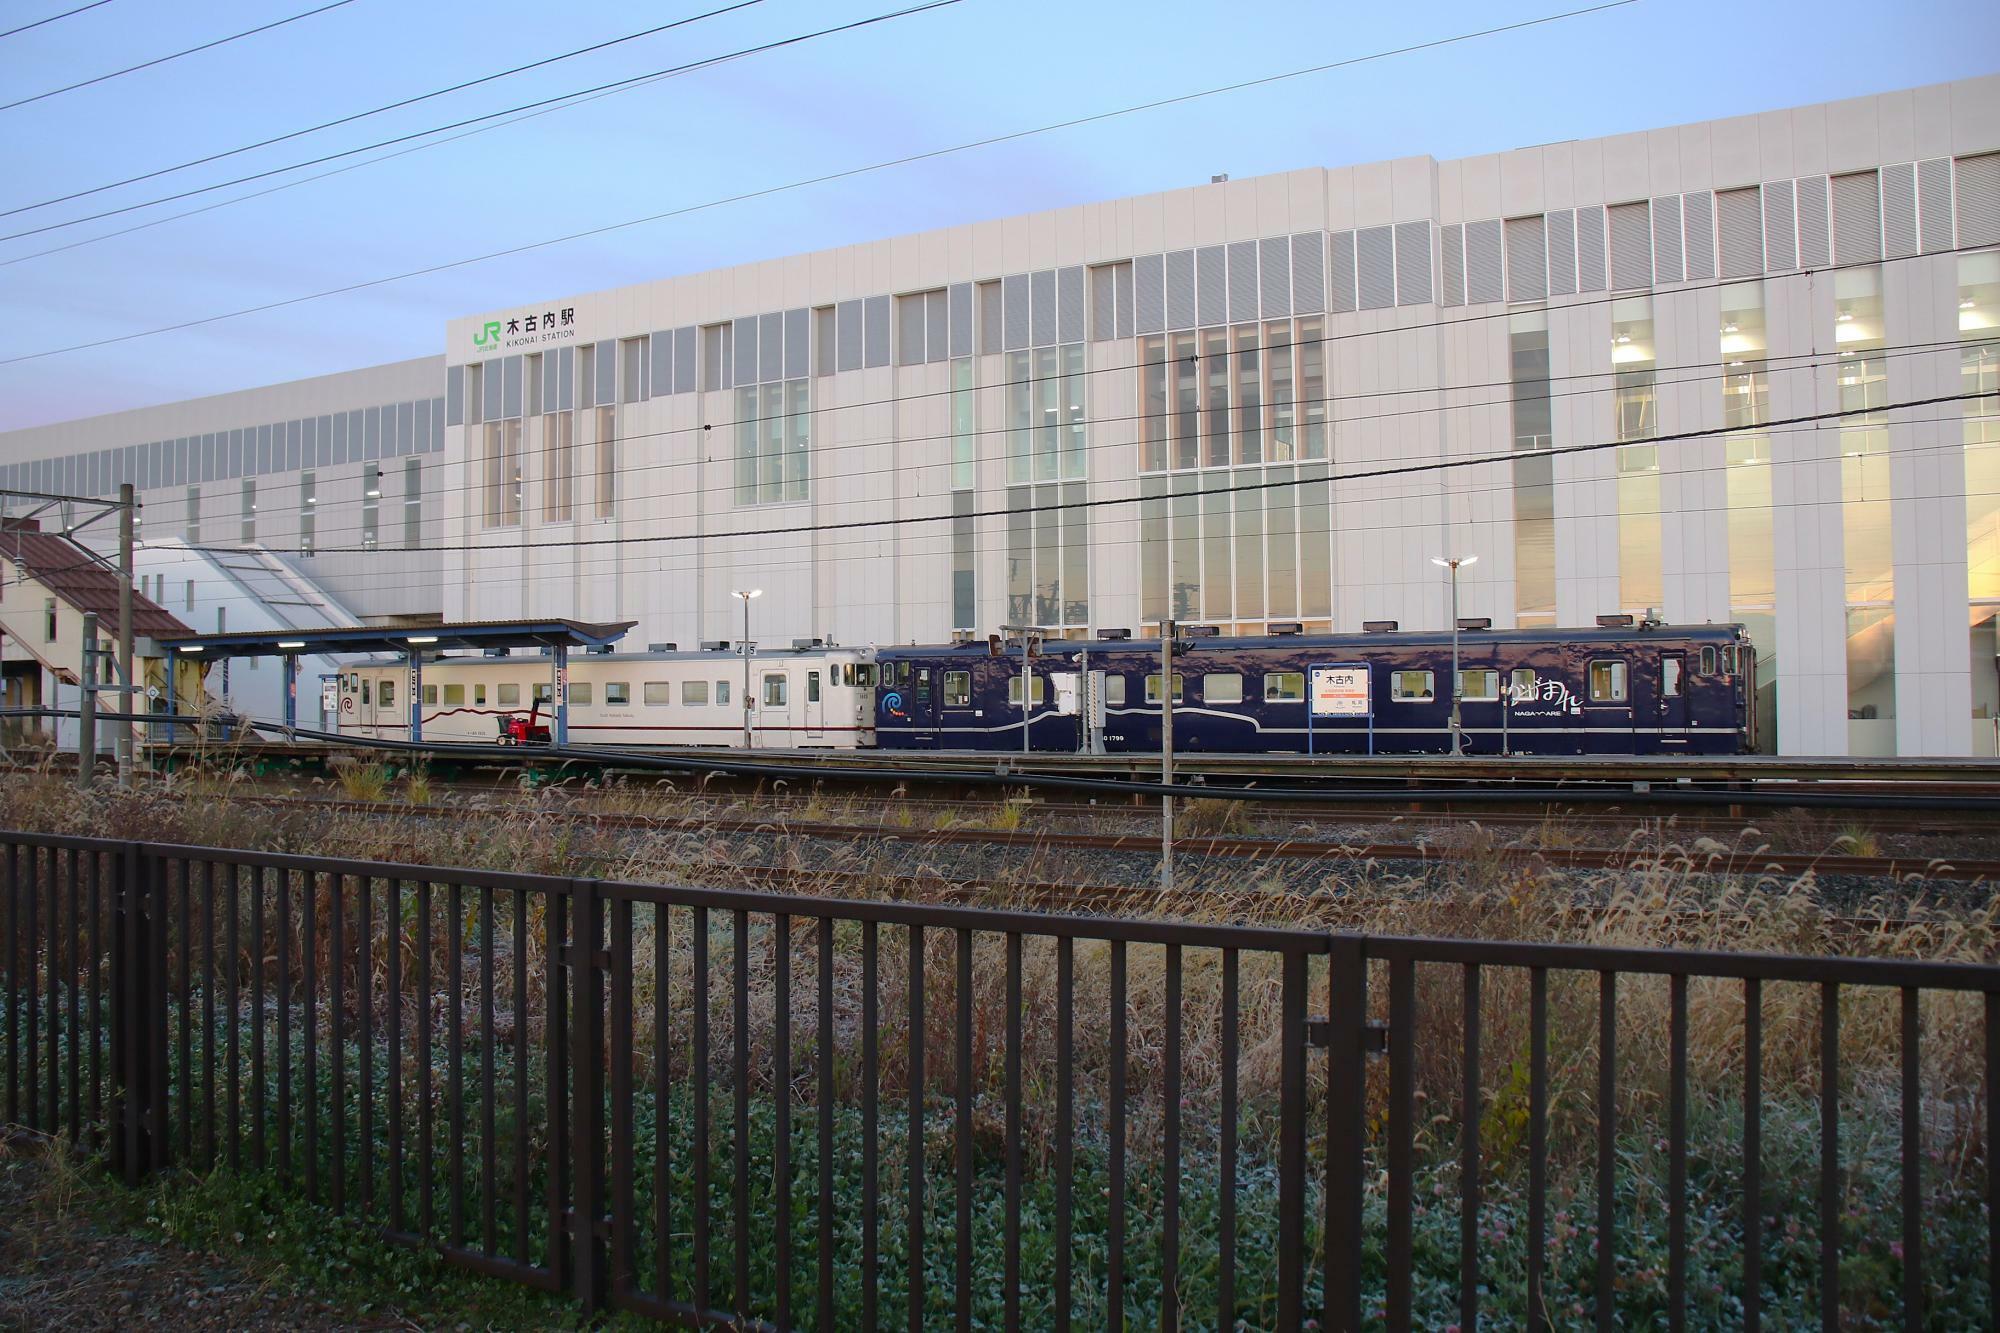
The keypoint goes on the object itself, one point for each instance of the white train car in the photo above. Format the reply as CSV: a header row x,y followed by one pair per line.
x,y
811,696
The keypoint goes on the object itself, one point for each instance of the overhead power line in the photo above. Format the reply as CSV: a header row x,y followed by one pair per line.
x,y
845,174
1284,483
67,13
161,60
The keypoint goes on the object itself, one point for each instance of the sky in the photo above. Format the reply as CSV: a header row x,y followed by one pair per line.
x,y
913,84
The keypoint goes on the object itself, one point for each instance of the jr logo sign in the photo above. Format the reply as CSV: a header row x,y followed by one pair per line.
x,y
488,336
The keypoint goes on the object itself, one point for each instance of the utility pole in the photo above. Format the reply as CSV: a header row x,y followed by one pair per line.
x,y
86,708
131,695
748,595
1167,632
1452,563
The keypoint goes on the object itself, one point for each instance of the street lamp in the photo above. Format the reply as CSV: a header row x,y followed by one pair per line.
x,y
746,596
1457,688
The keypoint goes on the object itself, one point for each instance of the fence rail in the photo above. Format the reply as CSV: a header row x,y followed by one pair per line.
x,y
733,1107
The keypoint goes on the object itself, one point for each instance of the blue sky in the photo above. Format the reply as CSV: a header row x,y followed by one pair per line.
x,y
980,68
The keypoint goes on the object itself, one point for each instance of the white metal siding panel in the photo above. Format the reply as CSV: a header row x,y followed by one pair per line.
x,y
1149,298
1527,259
1413,263
1340,264
1668,264
1482,262
1781,239
1978,204
1242,281
1857,218
1698,220
1590,248
1739,218
1211,285
1069,305
1375,266
1899,210
1562,252
1180,289
1934,203
1274,268
1814,249
1631,246
1308,273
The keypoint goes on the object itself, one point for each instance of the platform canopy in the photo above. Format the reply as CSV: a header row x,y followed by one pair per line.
x,y
400,640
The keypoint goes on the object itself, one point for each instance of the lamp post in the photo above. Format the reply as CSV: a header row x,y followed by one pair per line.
x,y
1457,687
747,596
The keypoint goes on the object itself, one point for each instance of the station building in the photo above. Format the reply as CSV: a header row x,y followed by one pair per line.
x,y
1654,374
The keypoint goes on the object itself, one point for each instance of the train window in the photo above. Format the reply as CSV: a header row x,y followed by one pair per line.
x,y
1222,687
864,675
364,691
722,693
812,687
430,696
1670,676
1041,689
1729,660
580,692
1153,687
774,690
617,694
659,693
1607,681
507,696
479,696
1479,685
454,696
386,695
694,693
1523,686
1114,691
545,692
1412,687
1284,687
1708,659
957,689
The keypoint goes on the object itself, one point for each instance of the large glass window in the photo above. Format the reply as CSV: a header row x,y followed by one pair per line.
x,y
558,467
371,502
1636,418
194,515
964,463
1534,478
249,511
413,504
502,467
1979,373
1045,414
607,461
1746,407
772,441
308,511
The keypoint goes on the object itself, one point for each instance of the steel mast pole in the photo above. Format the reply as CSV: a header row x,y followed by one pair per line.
x,y
1457,691
131,695
1167,756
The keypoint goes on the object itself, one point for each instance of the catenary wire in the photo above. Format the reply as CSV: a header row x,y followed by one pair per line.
x,y
768,191
841,546
161,60
67,13
894,521
351,117
1702,372
616,85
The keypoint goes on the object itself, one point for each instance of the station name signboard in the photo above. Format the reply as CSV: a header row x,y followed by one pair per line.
x,y
1340,691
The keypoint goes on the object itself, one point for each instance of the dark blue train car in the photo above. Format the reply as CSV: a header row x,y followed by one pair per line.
x,y
1645,689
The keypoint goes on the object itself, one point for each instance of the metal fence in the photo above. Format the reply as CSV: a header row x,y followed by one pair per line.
x,y
741,1108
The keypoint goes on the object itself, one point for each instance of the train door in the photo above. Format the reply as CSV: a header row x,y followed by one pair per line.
x,y
1607,706
1672,706
815,707
774,709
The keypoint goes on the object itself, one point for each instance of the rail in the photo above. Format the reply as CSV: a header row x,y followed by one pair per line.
x,y
742,1108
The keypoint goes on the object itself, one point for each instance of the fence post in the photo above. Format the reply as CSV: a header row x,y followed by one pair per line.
x,y
1346,1127
1292,1144
589,963
138,1016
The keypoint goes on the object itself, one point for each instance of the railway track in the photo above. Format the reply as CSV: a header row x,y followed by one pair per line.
x,y
1671,857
